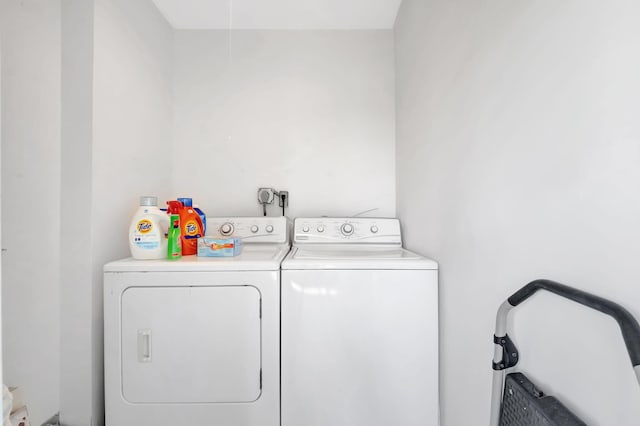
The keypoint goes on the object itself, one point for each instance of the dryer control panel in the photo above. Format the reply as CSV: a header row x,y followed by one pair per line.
x,y
258,229
351,230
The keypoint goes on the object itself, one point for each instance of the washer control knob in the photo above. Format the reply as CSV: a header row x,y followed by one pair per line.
x,y
374,229
320,228
254,228
226,228
305,229
269,228
346,229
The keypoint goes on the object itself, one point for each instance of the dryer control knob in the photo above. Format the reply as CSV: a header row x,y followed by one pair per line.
x,y
269,228
374,229
320,228
226,229
254,228
305,229
346,229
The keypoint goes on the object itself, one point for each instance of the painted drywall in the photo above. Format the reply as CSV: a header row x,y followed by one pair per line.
x,y
75,222
132,117
311,112
30,44
518,145
1,361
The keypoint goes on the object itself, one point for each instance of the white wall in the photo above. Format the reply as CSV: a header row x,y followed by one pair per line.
x,y
1,361
518,145
311,112
75,244
30,44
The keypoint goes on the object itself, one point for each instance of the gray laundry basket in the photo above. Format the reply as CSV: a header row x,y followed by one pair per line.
x,y
515,400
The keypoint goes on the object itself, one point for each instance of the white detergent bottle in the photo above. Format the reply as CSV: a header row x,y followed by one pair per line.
x,y
148,231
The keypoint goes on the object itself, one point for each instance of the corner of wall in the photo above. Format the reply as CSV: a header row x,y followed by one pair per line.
x,y
77,377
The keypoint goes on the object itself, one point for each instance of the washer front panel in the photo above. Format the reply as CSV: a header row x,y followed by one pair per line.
x,y
359,348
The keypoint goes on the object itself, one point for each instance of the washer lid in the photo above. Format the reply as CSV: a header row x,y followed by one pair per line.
x,y
254,257
354,257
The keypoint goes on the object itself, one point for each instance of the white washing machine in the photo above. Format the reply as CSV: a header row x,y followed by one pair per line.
x,y
359,330
196,341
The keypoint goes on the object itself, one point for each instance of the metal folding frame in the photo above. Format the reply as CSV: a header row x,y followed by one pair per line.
x,y
506,355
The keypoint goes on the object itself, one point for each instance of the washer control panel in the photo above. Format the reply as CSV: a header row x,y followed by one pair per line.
x,y
354,230
252,229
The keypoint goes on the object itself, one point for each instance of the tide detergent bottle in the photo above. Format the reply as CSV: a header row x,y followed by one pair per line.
x,y
191,228
188,202
148,230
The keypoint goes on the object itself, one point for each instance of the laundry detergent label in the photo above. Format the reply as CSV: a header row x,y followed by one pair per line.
x,y
144,238
147,242
191,229
144,226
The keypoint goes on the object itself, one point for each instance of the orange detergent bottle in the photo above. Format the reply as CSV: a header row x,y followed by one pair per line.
x,y
191,228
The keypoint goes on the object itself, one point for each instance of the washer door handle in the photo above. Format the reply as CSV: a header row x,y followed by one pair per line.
x,y
144,345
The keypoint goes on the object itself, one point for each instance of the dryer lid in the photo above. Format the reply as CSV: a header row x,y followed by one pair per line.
x,y
254,257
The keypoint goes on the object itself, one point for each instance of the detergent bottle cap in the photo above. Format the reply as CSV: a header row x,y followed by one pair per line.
x,y
187,202
174,207
148,201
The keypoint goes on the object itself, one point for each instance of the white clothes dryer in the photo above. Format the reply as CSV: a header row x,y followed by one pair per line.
x,y
359,333
196,341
